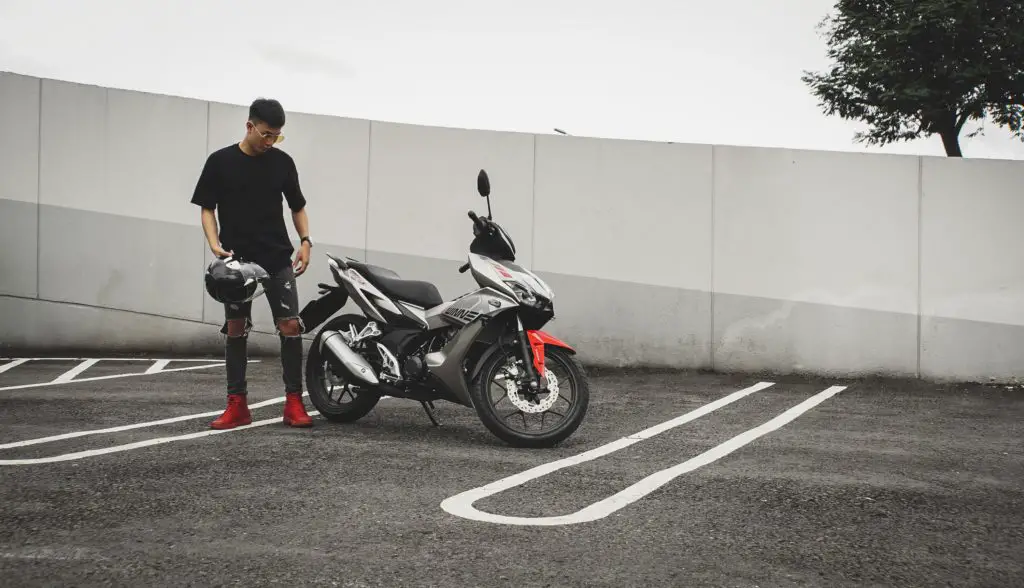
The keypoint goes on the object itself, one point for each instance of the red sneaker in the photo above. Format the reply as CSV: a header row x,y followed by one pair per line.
x,y
294,412
236,414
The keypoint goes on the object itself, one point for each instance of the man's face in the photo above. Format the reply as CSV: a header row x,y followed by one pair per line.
x,y
261,138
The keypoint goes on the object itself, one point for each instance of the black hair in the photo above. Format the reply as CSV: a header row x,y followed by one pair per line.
x,y
267,110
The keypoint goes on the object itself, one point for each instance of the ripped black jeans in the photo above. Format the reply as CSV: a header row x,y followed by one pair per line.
x,y
283,297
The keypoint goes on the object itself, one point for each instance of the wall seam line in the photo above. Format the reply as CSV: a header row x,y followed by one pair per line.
x,y
533,210
366,217
920,250
200,321
39,192
202,232
711,288
107,308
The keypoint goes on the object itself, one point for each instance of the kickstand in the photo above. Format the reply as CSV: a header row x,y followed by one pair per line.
x,y
429,408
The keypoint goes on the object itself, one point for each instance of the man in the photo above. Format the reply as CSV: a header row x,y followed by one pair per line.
x,y
243,184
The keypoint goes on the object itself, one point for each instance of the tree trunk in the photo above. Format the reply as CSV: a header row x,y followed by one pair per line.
x,y
951,141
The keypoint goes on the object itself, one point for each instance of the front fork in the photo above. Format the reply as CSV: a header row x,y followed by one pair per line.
x,y
532,350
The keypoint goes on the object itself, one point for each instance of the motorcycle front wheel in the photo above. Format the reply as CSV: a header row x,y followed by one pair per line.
x,y
522,418
327,389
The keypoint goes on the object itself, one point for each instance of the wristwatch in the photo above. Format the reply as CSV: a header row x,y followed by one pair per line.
x,y
306,239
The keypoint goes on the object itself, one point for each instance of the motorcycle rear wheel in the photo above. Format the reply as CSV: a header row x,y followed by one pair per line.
x,y
498,424
320,379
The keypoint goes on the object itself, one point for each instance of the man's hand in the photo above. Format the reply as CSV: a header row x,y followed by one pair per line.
x,y
301,222
301,260
220,252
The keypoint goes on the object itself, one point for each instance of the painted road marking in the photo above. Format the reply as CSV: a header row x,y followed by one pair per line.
x,y
13,364
140,444
24,359
462,504
71,373
113,376
158,366
120,428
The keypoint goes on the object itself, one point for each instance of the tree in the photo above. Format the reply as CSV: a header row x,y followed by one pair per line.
x,y
913,68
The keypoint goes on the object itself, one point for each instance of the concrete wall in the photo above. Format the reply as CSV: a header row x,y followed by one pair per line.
x,y
693,256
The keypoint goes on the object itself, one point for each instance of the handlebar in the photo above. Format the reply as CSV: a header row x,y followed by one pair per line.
x,y
480,223
480,226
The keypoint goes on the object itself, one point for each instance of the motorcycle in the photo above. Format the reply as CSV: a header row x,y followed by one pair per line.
x,y
409,343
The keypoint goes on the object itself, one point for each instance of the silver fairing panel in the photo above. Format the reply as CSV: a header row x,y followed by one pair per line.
x,y
491,274
483,302
465,313
413,311
353,284
435,316
446,364
493,297
367,296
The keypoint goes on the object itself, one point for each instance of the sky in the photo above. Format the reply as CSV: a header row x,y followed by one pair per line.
x,y
723,72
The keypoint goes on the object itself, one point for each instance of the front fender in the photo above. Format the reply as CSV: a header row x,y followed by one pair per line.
x,y
538,341
540,337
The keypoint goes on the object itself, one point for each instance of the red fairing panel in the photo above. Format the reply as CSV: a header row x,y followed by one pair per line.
x,y
538,339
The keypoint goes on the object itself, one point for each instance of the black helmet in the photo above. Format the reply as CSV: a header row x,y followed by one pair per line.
x,y
235,281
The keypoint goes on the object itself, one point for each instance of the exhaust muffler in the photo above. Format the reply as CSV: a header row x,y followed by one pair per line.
x,y
344,359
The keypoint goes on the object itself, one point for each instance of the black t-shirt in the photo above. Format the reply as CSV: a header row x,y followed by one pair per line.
x,y
246,192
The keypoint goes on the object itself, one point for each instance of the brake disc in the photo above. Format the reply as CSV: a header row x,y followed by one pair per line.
x,y
512,388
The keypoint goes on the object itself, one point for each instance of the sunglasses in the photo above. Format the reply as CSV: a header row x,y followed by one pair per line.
x,y
267,135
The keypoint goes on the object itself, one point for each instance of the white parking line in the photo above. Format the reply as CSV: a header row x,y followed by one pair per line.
x,y
177,419
158,366
71,373
113,376
24,359
462,504
13,364
138,444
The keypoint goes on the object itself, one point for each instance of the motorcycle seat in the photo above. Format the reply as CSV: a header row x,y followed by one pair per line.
x,y
423,294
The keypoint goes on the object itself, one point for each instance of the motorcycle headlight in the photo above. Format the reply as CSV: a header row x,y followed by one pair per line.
x,y
525,296
539,287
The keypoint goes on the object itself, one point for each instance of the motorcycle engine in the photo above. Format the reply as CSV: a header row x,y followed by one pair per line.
x,y
410,351
414,367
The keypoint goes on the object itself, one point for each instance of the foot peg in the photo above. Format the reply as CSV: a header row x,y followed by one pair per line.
x,y
429,408
370,330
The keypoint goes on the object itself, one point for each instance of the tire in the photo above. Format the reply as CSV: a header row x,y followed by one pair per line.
x,y
363,401
496,425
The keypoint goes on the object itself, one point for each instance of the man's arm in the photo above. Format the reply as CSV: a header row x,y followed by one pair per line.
x,y
206,197
297,203
301,222
210,229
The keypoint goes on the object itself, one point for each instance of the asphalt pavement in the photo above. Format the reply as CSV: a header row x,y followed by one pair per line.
x,y
116,479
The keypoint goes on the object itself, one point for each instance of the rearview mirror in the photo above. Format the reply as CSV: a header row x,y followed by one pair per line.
x,y
483,184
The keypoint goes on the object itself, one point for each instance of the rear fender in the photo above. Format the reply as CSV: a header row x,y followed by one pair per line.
x,y
316,311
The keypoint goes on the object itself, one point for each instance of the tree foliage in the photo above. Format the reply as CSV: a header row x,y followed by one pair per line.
x,y
916,68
